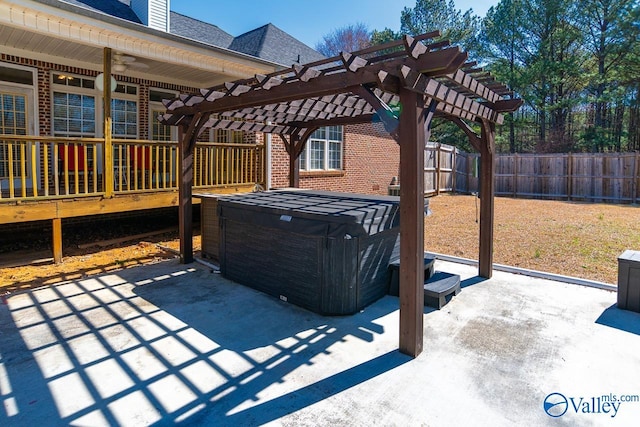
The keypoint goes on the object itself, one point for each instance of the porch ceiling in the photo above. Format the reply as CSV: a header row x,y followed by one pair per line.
x,y
34,30
20,42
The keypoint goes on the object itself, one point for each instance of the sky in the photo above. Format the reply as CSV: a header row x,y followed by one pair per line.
x,y
307,20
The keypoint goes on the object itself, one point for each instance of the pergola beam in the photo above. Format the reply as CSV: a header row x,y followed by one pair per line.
x,y
442,62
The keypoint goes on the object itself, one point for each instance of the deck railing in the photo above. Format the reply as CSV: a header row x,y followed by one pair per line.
x,y
34,168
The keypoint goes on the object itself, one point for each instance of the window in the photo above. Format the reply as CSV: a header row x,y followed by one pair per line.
x,y
13,121
159,131
124,114
74,114
74,106
124,111
75,109
226,135
73,81
323,150
17,112
16,75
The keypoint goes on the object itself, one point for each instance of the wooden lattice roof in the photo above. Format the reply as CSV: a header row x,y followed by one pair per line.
x,y
348,88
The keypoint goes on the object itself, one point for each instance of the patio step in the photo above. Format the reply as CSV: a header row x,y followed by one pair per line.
x,y
394,266
439,287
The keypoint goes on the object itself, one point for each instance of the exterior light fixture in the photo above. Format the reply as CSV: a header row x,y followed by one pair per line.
x,y
100,82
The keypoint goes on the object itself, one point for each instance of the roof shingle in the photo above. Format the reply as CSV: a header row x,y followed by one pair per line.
x,y
195,29
267,42
272,44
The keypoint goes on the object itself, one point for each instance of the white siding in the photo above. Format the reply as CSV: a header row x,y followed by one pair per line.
x,y
153,13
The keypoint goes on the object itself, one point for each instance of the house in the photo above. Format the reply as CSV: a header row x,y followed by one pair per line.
x,y
77,143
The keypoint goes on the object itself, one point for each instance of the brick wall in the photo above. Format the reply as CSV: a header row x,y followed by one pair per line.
x,y
44,90
370,162
279,163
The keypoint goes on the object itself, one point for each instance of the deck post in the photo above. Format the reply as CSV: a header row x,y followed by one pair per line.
x,y
56,236
412,145
487,195
185,206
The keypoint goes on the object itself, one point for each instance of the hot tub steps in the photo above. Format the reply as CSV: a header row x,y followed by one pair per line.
x,y
438,285
394,266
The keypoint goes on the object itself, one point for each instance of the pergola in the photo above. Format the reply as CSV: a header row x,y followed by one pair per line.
x,y
403,84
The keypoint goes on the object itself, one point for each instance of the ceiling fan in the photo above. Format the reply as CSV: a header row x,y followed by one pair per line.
x,y
122,62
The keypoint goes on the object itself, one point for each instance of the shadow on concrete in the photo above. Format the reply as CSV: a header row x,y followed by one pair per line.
x,y
170,344
472,281
623,320
298,399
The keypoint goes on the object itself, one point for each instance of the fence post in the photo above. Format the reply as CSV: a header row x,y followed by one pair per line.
x,y
636,178
468,174
569,176
454,168
515,175
437,183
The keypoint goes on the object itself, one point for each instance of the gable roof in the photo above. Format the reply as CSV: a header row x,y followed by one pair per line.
x,y
195,29
272,44
268,42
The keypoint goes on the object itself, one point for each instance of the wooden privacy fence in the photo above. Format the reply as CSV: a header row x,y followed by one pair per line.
x,y
597,177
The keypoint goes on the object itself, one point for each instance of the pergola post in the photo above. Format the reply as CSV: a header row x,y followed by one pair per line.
x,y
487,194
185,184
290,143
294,171
412,139
294,146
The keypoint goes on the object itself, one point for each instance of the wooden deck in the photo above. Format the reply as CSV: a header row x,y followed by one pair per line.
x,y
50,178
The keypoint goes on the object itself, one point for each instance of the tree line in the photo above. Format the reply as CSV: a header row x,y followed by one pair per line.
x,y
575,63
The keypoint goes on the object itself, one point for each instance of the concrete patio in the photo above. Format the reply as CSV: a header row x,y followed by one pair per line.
x,y
171,344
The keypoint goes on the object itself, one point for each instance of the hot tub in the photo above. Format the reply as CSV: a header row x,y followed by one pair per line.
x,y
327,252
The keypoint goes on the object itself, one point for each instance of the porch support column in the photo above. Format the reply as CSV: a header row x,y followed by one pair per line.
x,y
56,237
487,194
411,132
108,146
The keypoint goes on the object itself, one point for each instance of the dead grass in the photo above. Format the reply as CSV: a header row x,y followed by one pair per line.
x,y
575,239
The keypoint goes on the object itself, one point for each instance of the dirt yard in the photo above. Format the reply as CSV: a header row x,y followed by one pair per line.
x,y
574,239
